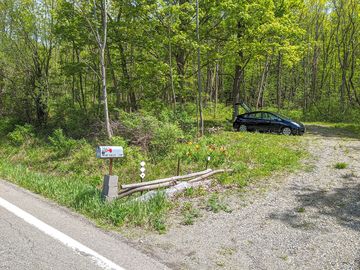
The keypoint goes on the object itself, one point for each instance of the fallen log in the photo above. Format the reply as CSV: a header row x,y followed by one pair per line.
x,y
128,192
207,175
164,180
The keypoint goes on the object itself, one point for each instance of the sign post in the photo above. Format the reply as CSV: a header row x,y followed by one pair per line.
x,y
207,162
110,183
142,171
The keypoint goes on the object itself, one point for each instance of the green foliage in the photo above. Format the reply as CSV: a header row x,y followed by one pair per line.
x,y
21,134
194,192
190,213
340,165
6,126
164,140
61,143
249,155
214,204
67,171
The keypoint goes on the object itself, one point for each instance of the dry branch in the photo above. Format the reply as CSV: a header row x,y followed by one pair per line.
x,y
207,175
159,181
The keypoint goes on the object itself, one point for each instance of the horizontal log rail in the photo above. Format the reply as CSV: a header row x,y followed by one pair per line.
x,y
207,175
164,180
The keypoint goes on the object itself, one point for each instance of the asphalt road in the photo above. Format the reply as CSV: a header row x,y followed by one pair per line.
x,y
25,246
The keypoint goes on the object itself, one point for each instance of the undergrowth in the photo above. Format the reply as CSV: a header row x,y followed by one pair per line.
x,y
66,170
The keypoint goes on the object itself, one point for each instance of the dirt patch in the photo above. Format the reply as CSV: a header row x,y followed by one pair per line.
x,y
306,220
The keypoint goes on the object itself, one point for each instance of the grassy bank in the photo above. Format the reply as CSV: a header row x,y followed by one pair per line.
x,y
66,170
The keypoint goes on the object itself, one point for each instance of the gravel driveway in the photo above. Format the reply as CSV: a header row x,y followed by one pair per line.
x,y
306,220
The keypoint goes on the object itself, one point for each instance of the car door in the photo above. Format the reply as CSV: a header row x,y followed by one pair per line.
x,y
276,123
254,121
265,124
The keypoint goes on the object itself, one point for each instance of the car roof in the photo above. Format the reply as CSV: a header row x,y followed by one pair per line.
x,y
257,112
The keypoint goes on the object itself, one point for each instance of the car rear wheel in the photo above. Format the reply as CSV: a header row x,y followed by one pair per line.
x,y
242,128
286,131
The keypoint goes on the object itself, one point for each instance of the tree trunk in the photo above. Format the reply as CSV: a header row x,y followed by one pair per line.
x,y
200,99
262,83
102,46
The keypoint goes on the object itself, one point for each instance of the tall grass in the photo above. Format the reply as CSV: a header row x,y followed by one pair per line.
x,y
75,193
65,170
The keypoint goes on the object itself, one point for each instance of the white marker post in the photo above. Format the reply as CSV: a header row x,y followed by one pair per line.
x,y
142,170
207,162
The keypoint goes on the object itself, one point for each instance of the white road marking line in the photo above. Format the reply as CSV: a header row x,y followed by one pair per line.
x,y
63,238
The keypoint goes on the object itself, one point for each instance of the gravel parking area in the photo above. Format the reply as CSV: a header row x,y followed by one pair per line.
x,y
305,220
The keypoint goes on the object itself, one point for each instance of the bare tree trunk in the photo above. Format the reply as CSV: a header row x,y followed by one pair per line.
x,y
278,81
216,86
102,46
262,82
236,90
115,81
200,99
239,72
171,73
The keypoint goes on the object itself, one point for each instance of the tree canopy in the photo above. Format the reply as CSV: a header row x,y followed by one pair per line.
x,y
68,61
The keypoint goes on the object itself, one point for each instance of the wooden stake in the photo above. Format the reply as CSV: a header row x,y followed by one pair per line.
x,y
178,168
110,166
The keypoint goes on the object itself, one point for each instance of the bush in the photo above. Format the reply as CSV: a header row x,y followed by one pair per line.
x,y
118,141
164,140
137,128
21,134
61,143
6,125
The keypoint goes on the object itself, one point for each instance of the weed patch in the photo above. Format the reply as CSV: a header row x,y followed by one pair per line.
x,y
214,204
340,165
189,214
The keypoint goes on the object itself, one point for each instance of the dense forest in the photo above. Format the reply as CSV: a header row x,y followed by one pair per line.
x,y
77,64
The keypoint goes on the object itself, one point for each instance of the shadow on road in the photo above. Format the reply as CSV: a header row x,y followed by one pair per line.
x,y
343,204
331,132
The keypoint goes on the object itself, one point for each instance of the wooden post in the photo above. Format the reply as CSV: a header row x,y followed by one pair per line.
x,y
110,166
178,167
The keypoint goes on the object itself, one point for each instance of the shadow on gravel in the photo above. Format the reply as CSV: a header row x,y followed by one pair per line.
x,y
330,132
343,204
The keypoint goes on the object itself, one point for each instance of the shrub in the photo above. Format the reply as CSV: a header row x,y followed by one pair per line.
x,y
21,134
164,140
118,141
137,128
6,125
61,143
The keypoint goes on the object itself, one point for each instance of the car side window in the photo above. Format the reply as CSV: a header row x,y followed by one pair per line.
x,y
254,115
266,116
274,117
270,116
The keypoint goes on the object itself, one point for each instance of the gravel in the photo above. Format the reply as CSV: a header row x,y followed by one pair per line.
x,y
305,220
